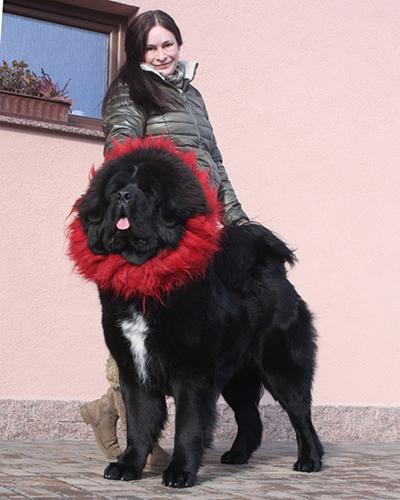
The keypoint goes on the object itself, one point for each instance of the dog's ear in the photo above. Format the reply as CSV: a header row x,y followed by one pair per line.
x,y
91,211
90,207
185,199
170,218
95,239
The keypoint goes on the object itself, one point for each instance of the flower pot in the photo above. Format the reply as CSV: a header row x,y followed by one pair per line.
x,y
33,108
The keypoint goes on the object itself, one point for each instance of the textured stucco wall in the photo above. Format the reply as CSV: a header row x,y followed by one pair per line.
x,y
304,98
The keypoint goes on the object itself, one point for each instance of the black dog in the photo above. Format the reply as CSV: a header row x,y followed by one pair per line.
x,y
191,309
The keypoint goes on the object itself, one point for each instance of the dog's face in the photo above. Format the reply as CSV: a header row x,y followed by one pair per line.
x,y
137,204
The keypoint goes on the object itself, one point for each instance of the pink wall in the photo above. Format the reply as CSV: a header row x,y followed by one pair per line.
x,y
305,102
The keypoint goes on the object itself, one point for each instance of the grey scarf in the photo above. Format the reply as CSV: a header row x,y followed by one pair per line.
x,y
176,78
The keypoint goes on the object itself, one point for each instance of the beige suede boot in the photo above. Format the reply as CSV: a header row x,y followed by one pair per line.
x,y
120,406
158,458
102,415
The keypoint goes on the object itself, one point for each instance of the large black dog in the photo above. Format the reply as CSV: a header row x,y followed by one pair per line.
x,y
191,309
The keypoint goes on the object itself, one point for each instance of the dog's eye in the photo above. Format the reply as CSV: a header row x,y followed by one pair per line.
x,y
148,193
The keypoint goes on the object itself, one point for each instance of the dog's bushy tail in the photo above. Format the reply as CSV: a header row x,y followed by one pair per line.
x,y
249,251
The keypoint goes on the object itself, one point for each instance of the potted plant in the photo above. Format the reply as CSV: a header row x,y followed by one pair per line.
x,y
26,95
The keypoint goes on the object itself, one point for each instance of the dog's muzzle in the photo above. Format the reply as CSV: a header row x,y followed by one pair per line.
x,y
125,196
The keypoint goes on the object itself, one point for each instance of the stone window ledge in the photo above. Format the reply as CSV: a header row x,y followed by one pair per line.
x,y
54,127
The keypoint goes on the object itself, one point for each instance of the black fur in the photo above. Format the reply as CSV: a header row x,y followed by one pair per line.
x,y
241,328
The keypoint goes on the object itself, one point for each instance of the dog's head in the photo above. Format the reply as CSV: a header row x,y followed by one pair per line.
x,y
137,204
149,222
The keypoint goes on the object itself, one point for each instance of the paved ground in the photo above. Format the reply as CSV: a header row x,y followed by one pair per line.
x,y
64,469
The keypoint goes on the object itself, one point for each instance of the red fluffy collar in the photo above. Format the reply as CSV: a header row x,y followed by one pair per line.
x,y
169,270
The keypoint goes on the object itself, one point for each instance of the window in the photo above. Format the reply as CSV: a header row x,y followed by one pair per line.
x,y
72,43
67,54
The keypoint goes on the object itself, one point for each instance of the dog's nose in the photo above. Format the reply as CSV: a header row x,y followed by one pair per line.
x,y
124,195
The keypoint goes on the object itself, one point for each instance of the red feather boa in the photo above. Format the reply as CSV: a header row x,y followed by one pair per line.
x,y
170,269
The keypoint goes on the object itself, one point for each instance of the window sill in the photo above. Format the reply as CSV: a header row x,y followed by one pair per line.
x,y
55,127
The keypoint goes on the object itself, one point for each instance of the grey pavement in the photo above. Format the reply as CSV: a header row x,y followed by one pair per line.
x,y
74,469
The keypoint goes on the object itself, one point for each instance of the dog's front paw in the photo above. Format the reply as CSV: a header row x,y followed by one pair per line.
x,y
231,457
178,478
308,464
122,472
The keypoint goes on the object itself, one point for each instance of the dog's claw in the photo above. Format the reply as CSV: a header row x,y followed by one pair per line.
x,y
307,465
122,472
178,479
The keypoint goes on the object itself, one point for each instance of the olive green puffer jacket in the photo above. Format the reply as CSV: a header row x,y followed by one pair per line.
x,y
188,127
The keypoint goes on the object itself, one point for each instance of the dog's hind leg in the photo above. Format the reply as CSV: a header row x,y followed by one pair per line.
x,y
296,401
243,394
287,373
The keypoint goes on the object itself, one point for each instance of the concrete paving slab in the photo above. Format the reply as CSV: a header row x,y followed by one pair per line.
x,y
47,470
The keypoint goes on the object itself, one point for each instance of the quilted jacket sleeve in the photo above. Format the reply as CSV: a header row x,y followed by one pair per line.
x,y
232,207
121,118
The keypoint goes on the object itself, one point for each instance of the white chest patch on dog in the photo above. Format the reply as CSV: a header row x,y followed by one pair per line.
x,y
135,331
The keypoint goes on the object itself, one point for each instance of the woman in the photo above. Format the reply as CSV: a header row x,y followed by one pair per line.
x,y
153,95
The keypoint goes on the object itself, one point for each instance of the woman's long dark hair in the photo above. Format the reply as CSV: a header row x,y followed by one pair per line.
x,y
144,88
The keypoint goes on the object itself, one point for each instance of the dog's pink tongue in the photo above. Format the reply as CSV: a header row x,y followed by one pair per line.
x,y
123,224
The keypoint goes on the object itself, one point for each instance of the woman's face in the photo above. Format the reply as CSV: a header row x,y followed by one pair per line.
x,y
162,50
